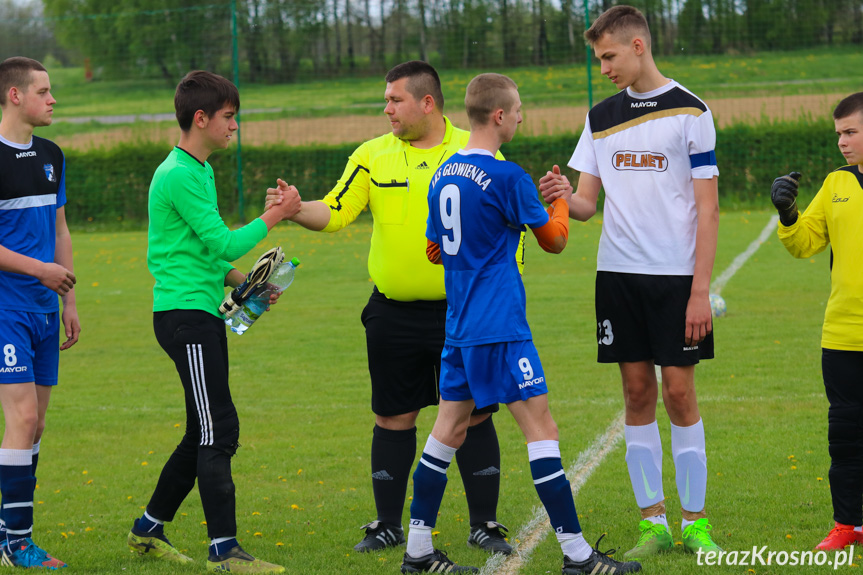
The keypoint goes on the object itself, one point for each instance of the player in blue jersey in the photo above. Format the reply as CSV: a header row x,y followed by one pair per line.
x,y
478,206
35,266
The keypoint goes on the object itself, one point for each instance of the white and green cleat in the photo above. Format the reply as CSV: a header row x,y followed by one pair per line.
x,y
697,536
654,539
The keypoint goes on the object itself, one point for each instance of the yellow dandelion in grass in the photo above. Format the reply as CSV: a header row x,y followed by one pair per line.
x,y
258,534
203,522
382,559
320,482
750,570
793,467
788,536
294,506
279,544
88,529
151,452
89,481
176,425
94,284
299,471
678,542
61,525
56,491
310,533
144,463
256,512
184,514
791,456
63,535
128,497
84,472
40,502
819,479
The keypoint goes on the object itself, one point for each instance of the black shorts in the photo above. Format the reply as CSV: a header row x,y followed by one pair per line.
x,y
405,341
643,317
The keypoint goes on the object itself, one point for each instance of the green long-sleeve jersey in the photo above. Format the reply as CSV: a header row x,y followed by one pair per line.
x,y
189,245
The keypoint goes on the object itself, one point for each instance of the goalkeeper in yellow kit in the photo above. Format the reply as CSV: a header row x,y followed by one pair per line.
x,y
835,218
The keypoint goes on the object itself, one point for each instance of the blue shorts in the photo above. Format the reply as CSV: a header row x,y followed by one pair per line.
x,y
30,343
492,373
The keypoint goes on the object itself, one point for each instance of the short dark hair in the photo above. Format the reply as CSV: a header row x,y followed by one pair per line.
x,y
17,72
205,91
617,21
422,80
849,106
487,93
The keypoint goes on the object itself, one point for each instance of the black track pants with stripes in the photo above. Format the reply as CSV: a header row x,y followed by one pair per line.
x,y
197,343
843,382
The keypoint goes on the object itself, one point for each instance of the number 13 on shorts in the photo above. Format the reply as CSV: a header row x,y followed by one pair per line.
x,y
604,335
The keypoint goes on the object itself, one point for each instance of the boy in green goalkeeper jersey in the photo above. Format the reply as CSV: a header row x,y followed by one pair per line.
x,y
189,251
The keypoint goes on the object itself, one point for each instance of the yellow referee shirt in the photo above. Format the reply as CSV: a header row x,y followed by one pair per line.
x,y
392,178
835,217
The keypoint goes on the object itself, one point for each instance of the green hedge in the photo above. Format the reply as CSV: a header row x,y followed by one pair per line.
x,y
108,187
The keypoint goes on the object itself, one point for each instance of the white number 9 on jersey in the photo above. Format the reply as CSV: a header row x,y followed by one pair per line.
x,y
450,217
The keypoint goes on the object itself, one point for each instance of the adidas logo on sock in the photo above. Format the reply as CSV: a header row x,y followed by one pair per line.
x,y
488,471
423,166
382,475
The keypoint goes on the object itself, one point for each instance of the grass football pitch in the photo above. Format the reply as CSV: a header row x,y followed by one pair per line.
x,y
300,383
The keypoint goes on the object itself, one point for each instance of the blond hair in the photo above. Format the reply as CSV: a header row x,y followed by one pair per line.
x,y
487,93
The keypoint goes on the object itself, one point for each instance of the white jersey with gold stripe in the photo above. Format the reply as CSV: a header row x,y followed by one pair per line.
x,y
647,149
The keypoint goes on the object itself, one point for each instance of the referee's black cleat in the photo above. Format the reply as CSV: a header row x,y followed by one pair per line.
x,y
379,536
599,562
487,535
435,562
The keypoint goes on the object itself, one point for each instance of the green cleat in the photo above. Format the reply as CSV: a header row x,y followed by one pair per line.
x,y
238,561
654,539
157,546
697,536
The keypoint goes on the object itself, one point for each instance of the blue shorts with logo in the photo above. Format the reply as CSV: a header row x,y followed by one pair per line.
x,y
30,343
492,373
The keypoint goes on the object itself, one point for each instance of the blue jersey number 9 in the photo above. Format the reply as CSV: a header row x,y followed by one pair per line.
x,y
450,217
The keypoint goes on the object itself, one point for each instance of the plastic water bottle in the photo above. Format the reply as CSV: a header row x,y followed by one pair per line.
x,y
257,304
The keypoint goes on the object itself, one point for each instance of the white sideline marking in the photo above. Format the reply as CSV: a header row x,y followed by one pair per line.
x,y
535,530
741,258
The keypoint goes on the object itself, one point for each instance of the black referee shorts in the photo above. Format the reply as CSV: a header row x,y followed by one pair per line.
x,y
643,317
405,341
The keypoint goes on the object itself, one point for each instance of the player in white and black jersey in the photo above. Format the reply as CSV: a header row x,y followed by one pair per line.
x,y
35,266
651,147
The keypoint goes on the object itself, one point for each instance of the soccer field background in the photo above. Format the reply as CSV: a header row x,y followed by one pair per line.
x,y
300,383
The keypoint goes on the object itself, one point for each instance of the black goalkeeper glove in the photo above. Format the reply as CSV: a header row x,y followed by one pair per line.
x,y
783,193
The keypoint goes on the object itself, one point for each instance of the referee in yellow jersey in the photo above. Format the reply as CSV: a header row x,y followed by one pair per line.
x,y
406,313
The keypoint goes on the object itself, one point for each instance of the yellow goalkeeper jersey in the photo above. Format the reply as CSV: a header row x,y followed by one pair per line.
x,y
835,217
392,178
